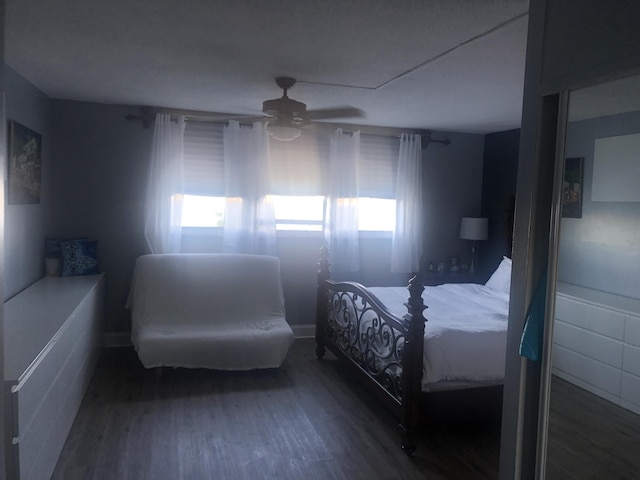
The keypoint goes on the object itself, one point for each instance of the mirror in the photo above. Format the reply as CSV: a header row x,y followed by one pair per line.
x,y
594,413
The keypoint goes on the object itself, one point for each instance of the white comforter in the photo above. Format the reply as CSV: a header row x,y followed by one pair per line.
x,y
465,333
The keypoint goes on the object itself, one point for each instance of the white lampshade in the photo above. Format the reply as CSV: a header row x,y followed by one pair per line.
x,y
284,133
472,228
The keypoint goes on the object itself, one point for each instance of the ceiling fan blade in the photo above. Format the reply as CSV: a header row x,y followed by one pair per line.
x,y
250,119
338,112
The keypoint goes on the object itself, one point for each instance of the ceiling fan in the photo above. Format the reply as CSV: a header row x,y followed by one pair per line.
x,y
286,116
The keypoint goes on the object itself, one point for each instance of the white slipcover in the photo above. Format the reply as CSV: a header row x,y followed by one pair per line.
x,y
221,311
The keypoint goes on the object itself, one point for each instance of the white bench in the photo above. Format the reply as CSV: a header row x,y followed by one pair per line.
x,y
52,332
219,311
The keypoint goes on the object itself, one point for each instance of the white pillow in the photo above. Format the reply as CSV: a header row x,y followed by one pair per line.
x,y
501,278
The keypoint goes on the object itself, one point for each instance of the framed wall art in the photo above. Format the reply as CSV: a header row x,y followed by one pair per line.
x,y
573,187
25,165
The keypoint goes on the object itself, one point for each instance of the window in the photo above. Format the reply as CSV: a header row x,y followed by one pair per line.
x,y
292,213
202,211
203,203
376,214
377,182
298,171
298,212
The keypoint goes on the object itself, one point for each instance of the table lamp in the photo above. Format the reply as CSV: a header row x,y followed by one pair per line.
x,y
474,229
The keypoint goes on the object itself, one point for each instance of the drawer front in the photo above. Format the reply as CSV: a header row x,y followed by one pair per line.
x,y
630,397
631,360
590,317
33,390
34,441
590,371
632,331
591,345
54,389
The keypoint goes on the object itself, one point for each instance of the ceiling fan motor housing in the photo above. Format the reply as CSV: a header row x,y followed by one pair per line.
x,y
284,106
284,109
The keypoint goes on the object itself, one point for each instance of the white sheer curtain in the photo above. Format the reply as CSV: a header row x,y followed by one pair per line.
x,y
249,220
406,246
341,220
165,192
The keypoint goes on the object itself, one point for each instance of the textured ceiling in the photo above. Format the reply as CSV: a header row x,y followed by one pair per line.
x,y
449,65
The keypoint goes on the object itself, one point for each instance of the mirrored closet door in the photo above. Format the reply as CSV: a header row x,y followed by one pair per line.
x,y
594,413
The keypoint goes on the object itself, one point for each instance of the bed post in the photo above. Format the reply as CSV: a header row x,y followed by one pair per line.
x,y
321,300
412,363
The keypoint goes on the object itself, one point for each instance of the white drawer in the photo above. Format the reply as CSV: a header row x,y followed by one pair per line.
x,y
632,330
32,391
48,385
630,394
631,360
595,373
592,345
33,440
590,317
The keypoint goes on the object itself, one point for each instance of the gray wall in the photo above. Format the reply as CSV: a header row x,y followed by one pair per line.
x,y
601,250
25,224
99,180
452,189
94,181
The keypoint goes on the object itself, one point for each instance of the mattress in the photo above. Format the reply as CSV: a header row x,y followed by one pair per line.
x,y
465,333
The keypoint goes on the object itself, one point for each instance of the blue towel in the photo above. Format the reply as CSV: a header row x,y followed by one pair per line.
x,y
531,341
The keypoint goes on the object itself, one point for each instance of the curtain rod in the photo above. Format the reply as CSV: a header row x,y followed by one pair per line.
x,y
148,115
425,136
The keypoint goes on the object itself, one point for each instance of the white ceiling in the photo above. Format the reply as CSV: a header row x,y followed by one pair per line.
x,y
451,65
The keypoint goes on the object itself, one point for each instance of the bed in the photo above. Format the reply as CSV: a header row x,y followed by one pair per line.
x,y
421,350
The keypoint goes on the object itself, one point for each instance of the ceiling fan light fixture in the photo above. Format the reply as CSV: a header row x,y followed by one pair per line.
x,y
283,133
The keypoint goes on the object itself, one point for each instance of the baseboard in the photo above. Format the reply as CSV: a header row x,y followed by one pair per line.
x,y
123,339
304,331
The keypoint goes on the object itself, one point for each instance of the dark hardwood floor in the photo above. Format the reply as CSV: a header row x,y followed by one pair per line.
x,y
304,420
590,437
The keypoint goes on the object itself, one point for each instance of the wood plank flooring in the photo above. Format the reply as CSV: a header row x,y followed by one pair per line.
x,y
590,437
304,420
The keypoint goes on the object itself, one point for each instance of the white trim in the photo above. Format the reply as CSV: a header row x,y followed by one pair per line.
x,y
304,331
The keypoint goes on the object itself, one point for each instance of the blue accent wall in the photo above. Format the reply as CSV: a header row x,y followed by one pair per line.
x,y
452,189
498,189
601,250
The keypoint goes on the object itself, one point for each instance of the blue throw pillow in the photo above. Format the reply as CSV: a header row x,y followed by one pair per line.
x,y
79,257
52,246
